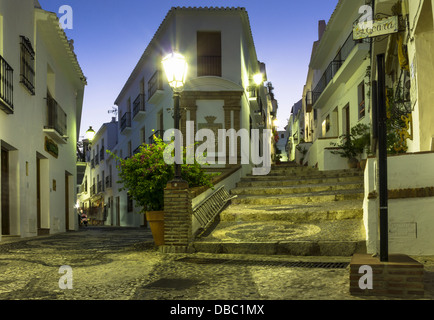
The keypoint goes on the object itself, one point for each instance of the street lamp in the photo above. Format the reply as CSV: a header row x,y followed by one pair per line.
x,y
175,67
90,134
258,78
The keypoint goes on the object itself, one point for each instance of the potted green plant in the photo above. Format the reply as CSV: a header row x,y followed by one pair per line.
x,y
302,150
353,145
145,176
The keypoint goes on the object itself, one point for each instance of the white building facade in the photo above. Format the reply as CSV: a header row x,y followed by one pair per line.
x,y
335,97
219,93
41,95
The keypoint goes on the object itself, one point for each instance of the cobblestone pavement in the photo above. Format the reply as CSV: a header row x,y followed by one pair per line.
x,y
122,264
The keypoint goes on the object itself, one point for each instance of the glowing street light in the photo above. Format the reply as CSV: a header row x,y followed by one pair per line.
x,y
175,67
90,134
258,78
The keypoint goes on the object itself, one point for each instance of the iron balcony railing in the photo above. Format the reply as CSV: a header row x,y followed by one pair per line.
x,y
27,65
100,187
328,75
158,133
334,67
108,182
6,86
155,83
209,66
56,117
139,104
126,121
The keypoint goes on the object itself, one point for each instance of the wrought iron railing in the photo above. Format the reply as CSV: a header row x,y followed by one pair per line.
x,y
27,65
139,104
56,117
334,66
209,66
100,187
158,134
155,83
6,86
126,121
206,211
108,182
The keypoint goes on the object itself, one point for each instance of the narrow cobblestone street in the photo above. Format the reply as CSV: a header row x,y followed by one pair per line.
x,y
122,264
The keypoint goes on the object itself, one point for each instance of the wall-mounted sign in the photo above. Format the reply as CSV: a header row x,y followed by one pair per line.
x,y
51,147
375,28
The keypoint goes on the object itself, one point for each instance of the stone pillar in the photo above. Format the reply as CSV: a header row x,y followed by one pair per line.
x,y
177,217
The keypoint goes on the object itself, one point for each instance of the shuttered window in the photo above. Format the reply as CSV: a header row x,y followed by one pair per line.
x,y
209,57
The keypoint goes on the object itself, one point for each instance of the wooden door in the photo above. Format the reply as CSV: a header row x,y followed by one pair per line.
x,y
5,192
38,193
118,212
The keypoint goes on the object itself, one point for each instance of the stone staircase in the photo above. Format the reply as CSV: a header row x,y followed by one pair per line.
x,y
293,210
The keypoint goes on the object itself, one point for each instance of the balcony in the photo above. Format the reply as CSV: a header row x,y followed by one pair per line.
x,y
155,88
341,68
108,182
158,133
56,126
101,154
100,187
126,123
209,66
92,190
27,65
6,87
139,107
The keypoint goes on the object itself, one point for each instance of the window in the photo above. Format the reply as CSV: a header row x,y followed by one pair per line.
x,y
27,65
209,57
361,97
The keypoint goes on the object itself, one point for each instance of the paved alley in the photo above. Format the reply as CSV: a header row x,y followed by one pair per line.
x,y
122,264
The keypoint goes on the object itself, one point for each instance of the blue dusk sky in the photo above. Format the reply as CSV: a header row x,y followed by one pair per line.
x,y
111,35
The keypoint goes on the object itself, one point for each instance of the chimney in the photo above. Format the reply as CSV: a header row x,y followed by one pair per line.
x,y
321,28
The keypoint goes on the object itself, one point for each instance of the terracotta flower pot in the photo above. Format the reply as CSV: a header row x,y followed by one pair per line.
x,y
353,163
156,222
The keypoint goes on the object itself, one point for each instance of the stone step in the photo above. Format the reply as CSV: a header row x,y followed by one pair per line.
x,y
321,238
301,198
311,188
294,182
337,210
305,175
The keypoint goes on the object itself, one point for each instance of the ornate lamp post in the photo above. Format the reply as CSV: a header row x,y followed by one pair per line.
x,y
175,67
